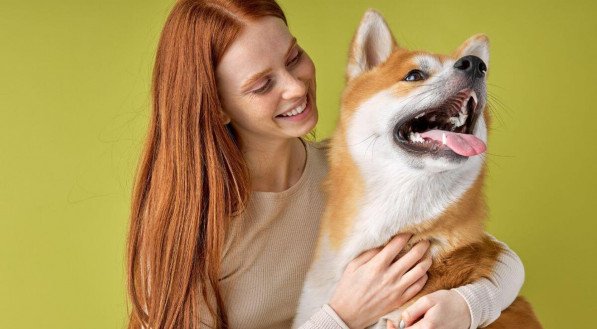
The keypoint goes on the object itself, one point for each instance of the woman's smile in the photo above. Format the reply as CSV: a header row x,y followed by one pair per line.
x,y
298,113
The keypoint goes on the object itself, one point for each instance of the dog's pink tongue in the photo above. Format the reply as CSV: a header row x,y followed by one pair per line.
x,y
463,144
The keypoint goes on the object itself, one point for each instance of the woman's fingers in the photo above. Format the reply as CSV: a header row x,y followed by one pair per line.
x,y
390,325
413,289
415,273
422,324
365,257
404,263
393,248
417,310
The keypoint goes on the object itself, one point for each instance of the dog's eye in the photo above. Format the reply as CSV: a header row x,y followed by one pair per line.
x,y
415,75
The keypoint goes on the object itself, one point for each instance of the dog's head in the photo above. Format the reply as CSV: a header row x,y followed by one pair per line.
x,y
423,109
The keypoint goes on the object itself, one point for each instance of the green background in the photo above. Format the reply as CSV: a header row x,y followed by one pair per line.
x,y
74,102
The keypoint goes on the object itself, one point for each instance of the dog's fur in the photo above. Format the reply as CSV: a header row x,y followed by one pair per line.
x,y
377,188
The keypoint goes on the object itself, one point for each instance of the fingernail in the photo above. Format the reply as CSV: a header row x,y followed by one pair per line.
x,y
402,324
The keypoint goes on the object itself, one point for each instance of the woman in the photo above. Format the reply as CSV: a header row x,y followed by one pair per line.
x,y
227,201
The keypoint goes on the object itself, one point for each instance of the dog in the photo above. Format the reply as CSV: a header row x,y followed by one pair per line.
x,y
407,156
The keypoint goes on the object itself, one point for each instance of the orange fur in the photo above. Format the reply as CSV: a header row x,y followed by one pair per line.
x,y
343,187
519,315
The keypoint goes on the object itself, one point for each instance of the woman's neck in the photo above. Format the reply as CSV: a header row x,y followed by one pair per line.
x,y
275,165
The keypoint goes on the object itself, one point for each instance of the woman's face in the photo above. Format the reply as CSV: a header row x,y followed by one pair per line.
x,y
264,79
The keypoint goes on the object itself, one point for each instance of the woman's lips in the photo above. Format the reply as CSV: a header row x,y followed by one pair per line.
x,y
299,116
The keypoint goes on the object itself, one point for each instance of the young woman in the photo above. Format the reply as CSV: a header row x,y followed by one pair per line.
x,y
227,201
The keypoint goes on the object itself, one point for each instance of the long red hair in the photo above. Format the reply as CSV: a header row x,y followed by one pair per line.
x,y
192,178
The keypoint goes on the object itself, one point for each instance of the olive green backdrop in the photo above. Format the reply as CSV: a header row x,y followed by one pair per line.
x,y
74,102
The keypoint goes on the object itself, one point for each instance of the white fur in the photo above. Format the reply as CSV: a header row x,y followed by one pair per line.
x,y
400,190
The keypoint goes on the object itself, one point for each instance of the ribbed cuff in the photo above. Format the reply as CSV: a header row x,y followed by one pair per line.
x,y
325,318
330,311
475,302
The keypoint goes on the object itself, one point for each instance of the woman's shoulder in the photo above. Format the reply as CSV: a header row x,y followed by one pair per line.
x,y
318,152
322,145
319,148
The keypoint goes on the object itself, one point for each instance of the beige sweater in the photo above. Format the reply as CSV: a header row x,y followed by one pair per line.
x,y
268,252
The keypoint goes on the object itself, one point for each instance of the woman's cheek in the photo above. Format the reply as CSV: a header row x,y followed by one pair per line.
x,y
267,107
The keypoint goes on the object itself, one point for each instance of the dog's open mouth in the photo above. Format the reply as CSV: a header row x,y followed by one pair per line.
x,y
447,127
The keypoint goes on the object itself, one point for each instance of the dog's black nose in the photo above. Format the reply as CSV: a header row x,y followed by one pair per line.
x,y
471,65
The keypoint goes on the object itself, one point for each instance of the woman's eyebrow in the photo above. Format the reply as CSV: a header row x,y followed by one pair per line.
x,y
254,78
265,72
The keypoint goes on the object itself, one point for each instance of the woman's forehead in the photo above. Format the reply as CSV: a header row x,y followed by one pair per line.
x,y
260,45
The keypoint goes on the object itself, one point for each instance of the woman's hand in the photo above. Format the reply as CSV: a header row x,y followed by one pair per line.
x,y
375,283
443,309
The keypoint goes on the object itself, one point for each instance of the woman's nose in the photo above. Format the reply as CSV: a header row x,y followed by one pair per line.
x,y
293,87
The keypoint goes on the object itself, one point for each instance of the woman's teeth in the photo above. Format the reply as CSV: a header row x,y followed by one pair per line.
x,y
297,110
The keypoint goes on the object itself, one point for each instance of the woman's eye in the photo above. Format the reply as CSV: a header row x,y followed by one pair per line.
x,y
415,75
265,88
296,58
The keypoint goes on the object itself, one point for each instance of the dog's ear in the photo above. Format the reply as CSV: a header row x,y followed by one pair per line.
x,y
372,44
477,45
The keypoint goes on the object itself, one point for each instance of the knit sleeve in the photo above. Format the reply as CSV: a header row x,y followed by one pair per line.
x,y
325,318
488,297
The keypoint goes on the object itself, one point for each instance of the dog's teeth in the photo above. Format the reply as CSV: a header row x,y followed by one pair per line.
x,y
463,107
419,138
459,120
416,137
420,115
444,139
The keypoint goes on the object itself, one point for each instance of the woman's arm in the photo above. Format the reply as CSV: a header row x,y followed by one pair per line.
x,y
484,300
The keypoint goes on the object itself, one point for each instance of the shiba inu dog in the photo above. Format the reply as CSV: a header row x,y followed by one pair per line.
x,y
408,156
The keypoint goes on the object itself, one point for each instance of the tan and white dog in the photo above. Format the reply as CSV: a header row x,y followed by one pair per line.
x,y
408,156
